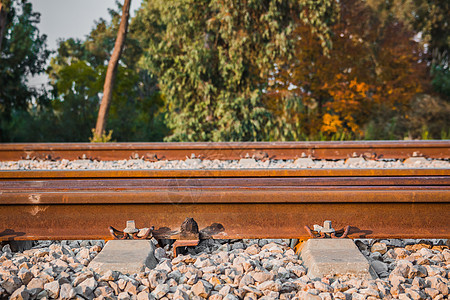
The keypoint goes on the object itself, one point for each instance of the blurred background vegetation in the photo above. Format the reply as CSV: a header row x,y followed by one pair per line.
x,y
228,70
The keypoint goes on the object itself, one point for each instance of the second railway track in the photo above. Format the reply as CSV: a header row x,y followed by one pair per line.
x,y
227,204
235,150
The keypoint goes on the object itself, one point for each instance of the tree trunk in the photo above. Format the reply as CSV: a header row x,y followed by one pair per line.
x,y
111,71
4,8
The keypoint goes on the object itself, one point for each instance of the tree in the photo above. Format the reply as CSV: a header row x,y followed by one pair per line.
x,y
23,54
111,72
4,10
213,60
374,67
77,76
429,19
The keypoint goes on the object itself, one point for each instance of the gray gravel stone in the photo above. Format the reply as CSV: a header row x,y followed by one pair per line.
x,y
262,269
379,267
230,297
25,275
12,283
87,286
156,278
180,295
160,254
160,291
20,294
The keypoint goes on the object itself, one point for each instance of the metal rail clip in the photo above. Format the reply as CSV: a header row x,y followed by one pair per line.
x,y
327,231
131,232
189,235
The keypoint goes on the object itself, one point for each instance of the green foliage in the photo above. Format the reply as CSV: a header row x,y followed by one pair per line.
x,y
77,76
105,138
76,101
445,134
426,118
23,54
214,58
429,18
441,80
209,69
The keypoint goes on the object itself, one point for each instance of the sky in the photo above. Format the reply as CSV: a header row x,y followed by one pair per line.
x,y
62,19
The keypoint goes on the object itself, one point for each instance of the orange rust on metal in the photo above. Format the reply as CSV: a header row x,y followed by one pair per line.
x,y
237,220
378,203
235,150
222,173
232,186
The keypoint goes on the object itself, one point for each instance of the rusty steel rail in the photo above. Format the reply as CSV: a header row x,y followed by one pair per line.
x,y
375,203
259,150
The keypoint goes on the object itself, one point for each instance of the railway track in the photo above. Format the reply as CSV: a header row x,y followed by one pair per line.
x,y
259,150
226,204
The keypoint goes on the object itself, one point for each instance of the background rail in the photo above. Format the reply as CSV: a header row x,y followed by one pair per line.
x,y
259,150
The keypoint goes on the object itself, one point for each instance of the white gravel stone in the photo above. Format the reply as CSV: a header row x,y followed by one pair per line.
x,y
379,247
262,276
202,288
123,296
52,289
66,291
109,276
216,164
160,291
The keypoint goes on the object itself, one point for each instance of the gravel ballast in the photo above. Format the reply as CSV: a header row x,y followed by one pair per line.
x,y
223,269
246,163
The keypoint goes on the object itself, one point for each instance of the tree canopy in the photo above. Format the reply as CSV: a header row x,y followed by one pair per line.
x,y
213,60
228,70
23,54
374,66
77,73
